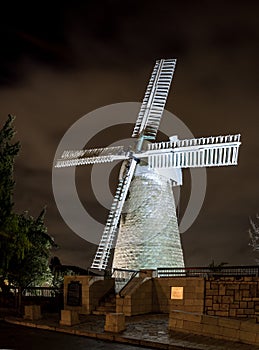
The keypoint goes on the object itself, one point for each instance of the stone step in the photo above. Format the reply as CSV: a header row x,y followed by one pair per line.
x,y
97,312
103,311
105,308
108,303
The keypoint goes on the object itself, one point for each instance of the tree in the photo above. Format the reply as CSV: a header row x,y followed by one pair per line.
x,y
59,271
12,240
217,267
32,269
8,151
24,242
254,235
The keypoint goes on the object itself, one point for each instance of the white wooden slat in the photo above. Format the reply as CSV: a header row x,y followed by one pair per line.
x,y
202,156
155,98
102,255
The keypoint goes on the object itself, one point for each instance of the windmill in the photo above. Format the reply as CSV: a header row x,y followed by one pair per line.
x,y
142,219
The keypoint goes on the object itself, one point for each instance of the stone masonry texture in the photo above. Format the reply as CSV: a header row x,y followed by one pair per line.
x,y
148,235
232,296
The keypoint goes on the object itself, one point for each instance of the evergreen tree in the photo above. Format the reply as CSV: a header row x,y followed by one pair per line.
x,y
8,151
13,241
32,269
24,242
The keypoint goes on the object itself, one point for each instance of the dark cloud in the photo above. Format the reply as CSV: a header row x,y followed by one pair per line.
x,y
62,61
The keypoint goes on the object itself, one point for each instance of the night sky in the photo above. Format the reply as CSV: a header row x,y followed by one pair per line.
x,y
60,61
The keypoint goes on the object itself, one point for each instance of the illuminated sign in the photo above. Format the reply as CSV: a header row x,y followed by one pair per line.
x,y
176,292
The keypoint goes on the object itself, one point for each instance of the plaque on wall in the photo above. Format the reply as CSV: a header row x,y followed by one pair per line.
x,y
176,292
74,293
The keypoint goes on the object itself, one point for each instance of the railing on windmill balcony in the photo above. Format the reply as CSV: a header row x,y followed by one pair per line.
x,y
208,271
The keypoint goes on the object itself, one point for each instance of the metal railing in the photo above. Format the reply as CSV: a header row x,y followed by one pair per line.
x,y
208,271
50,298
123,274
124,288
47,292
123,277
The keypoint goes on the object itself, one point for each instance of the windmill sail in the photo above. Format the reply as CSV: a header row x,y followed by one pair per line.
x,y
202,152
155,98
92,156
110,231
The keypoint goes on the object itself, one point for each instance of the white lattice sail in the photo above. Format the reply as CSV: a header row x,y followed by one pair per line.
x,y
155,99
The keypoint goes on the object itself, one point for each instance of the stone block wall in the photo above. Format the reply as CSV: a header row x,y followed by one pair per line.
x,y
142,300
98,289
138,245
245,331
114,322
69,318
232,296
154,295
193,294
84,281
93,289
32,312
215,296
137,300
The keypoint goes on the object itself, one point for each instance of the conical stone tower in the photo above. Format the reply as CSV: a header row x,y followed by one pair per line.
x,y
148,236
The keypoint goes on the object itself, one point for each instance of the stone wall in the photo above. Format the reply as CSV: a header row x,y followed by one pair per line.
x,y
145,295
93,289
84,281
226,301
141,242
245,331
193,294
232,296
98,290
137,299
215,296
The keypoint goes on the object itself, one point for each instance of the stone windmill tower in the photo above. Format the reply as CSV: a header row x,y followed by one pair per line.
x,y
142,223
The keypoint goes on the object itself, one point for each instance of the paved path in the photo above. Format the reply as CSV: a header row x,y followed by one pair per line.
x,y
150,331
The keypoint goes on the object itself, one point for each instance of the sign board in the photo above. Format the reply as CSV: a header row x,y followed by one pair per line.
x,y
177,293
74,293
